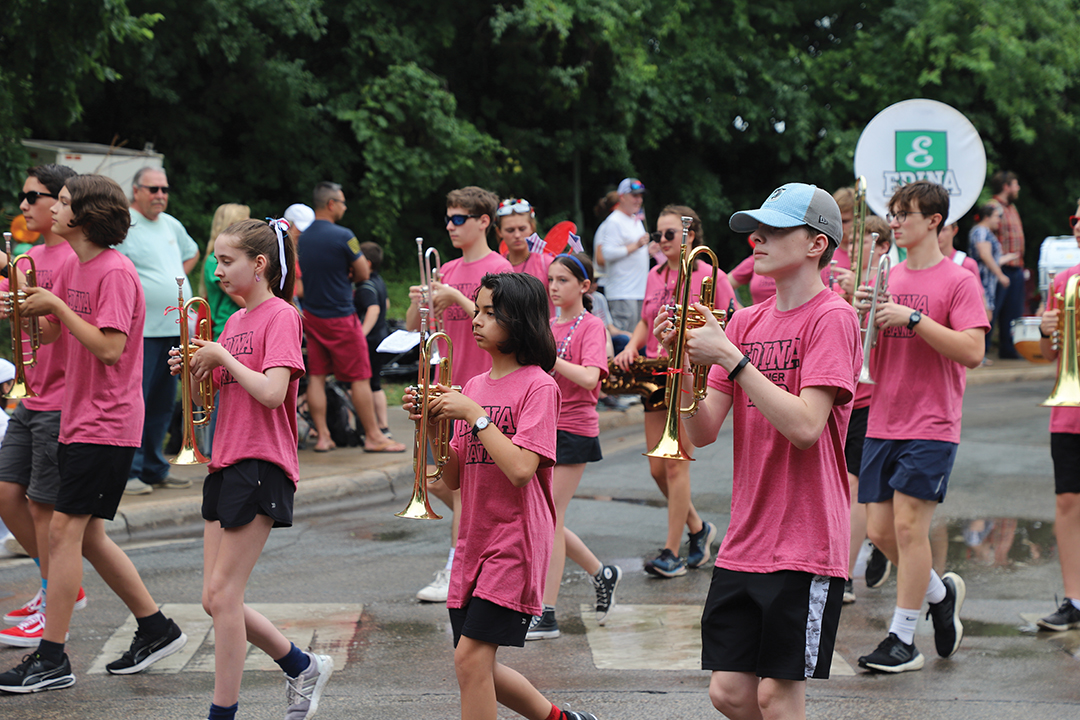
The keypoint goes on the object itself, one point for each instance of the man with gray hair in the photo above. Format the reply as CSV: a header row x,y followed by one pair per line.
x,y
161,250
330,262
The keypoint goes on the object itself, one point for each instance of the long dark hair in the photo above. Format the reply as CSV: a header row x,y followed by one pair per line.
x,y
521,308
257,238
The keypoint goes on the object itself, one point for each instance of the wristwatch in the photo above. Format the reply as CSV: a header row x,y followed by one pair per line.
x,y
481,422
914,320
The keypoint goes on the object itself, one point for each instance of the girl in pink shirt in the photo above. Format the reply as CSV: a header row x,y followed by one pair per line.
x,y
515,222
501,458
256,364
580,365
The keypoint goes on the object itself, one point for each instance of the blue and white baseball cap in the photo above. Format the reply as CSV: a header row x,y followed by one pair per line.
x,y
632,186
792,205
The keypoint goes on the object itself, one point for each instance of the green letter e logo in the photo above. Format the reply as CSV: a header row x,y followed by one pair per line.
x,y
919,150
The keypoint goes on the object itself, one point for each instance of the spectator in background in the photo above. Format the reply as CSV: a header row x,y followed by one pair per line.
x,y
222,305
1010,232
986,249
300,217
372,302
161,250
622,248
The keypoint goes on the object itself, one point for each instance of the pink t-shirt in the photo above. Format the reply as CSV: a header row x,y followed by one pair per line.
x,y
968,263
46,378
920,392
506,533
660,291
761,287
537,265
842,262
265,338
587,347
104,406
790,508
1064,419
469,359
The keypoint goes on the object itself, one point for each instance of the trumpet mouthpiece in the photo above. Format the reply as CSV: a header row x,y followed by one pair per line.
x,y
180,281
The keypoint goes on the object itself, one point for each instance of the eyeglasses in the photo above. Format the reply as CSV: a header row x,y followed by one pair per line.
x,y
901,216
340,200
518,206
32,196
458,220
155,189
1073,219
668,235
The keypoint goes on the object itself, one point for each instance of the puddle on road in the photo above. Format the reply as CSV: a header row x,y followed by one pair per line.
x,y
648,502
992,544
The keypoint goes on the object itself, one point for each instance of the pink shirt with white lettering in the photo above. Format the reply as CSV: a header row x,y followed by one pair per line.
x,y
267,337
46,378
588,348
790,508
761,287
104,403
469,359
1064,419
537,265
920,392
506,534
660,291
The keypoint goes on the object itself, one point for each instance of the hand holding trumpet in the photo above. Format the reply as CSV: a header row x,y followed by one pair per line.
x,y
207,356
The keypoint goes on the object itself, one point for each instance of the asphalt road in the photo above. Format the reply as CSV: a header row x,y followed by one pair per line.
x,y
345,583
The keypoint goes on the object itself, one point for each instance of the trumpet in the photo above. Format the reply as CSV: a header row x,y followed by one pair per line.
x,y
430,271
1066,391
881,285
189,452
20,388
684,317
419,507
858,231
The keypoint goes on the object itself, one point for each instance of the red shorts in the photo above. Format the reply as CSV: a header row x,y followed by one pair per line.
x,y
337,346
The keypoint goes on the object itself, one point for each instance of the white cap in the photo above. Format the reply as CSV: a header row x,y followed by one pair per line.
x,y
7,371
300,215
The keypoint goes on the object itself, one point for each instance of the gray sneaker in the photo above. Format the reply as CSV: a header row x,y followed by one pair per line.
x,y
172,483
135,486
302,692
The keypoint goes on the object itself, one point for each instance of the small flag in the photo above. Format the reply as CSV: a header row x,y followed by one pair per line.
x,y
575,243
536,243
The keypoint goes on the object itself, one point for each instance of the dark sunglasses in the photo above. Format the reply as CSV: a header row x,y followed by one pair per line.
x,y
458,220
1073,219
32,196
656,236
155,189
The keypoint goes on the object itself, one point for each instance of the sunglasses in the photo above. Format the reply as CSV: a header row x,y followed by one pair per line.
x,y
458,220
32,196
1073,219
155,189
520,206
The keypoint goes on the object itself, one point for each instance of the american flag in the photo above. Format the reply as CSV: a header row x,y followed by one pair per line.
x,y
536,243
575,243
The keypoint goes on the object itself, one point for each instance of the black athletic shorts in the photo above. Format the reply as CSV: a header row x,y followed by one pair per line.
x,y
856,434
1065,452
234,495
779,625
571,449
92,478
487,622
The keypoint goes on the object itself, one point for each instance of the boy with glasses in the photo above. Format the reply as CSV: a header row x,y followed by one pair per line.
x,y
470,215
931,327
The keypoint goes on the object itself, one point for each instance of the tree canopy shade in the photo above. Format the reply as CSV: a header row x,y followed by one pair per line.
x,y
711,104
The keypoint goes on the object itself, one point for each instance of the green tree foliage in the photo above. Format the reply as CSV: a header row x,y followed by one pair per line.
x,y
711,104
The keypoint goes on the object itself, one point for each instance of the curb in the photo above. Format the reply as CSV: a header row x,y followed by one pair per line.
x,y
337,492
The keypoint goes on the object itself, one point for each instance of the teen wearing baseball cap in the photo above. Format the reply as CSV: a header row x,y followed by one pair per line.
x,y
785,369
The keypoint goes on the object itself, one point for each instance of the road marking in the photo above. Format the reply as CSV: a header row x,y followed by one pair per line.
x,y
327,629
655,637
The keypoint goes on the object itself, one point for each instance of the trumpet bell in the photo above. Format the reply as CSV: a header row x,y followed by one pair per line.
x,y
20,389
418,509
669,448
190,455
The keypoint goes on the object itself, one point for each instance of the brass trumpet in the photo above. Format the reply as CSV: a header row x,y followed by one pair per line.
x,y
430,271
684,317
20,388
1066,391
419,507
858,231
881,285
189,451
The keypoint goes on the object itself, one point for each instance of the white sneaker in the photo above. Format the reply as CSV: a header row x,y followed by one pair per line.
x,y
302,692
135,486
437,590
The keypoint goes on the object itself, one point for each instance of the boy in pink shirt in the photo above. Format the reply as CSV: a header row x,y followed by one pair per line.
x,y
470,216
930,328
100,429
785,369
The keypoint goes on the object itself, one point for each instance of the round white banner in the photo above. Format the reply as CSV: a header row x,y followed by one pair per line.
x,y
921,140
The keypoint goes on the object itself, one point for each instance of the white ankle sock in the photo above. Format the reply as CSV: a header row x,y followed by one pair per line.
x,y
903,624
935,591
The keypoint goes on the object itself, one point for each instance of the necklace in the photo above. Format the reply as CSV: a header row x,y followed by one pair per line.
x,y
564,344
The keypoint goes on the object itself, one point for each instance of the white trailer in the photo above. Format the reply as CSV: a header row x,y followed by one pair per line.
x,y
119,163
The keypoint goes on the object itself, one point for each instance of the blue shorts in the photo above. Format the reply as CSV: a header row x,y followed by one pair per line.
x,y
917,468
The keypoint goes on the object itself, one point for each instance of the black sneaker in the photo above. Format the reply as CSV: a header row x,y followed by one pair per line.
x,y
700,549
893,655
543,627
36,674
605,582
849,591
571,715
877,568
1066,617
145,651
948,630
